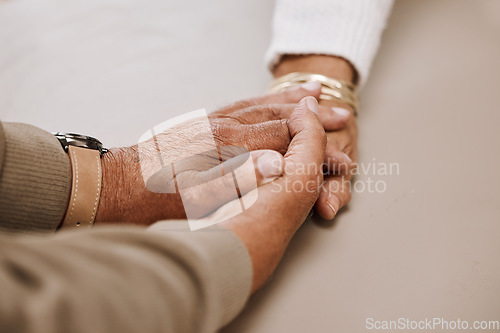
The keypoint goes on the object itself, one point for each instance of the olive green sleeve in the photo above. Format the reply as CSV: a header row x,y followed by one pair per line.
x,y
122,279
35,179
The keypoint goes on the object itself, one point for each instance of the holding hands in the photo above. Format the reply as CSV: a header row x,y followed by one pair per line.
x,y
141,184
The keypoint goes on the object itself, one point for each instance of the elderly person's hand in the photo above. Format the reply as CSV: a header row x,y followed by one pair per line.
x,y
281,206
336,191
143,183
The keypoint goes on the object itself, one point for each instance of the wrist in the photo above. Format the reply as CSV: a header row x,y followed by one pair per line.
x,y
124,196
332,66
117,184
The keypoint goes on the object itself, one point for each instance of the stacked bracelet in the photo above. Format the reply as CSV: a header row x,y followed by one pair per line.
x,y
331,89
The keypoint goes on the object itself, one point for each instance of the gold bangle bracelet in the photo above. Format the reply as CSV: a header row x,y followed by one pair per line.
x,y
331,89
306,77
348,96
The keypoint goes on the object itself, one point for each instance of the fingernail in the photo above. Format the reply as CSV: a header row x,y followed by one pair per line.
x,y
312,104
311,85
333,203
347,158
341,112
334,212
270,166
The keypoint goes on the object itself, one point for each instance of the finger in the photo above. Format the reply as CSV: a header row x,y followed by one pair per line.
x,y
331,118
335,194
291,95
273,135
337,103
252,168
336,161
204,192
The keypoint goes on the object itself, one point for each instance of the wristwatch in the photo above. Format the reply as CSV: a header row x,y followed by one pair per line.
x,y
85,154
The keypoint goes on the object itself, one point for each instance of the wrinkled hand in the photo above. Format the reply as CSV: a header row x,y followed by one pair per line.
x,y
281,207
201,158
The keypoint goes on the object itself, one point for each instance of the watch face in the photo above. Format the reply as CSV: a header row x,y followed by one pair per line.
x,y
78,140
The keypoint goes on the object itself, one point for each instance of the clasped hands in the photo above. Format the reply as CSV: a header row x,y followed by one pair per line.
x,y
143,183
278,134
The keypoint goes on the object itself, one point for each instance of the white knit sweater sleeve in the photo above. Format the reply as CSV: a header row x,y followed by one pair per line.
x,y
346,28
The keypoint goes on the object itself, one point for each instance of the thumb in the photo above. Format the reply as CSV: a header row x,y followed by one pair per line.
x,y
307,148
292,195
205,191
268,225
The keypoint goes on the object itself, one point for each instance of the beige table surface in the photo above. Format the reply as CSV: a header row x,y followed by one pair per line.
x,y
428,246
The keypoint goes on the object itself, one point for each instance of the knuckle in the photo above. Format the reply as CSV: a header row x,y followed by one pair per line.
x,y
267,110
282,128
222,133
348,149
334,187
271,111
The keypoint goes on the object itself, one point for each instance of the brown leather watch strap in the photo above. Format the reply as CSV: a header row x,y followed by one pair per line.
x,y
85,189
